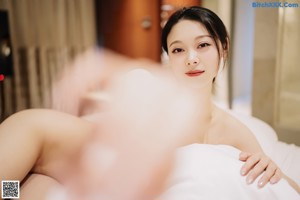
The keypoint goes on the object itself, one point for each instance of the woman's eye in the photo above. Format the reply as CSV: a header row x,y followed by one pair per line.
x,y
177,50
202,45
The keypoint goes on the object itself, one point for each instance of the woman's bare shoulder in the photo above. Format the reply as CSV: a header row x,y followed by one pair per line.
x,y
232,122
235,132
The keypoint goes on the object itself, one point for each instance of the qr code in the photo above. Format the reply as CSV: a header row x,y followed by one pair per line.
x,y
10,189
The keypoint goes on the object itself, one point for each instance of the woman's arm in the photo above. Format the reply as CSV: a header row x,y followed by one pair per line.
x,y
256,161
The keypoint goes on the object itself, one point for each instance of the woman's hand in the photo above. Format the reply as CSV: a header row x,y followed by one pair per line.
x,y
257,164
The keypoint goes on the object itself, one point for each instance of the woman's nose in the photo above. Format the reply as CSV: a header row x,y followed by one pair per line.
x,y
192,60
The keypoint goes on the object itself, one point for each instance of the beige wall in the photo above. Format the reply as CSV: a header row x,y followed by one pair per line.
x,y
287,108
276,84
264,65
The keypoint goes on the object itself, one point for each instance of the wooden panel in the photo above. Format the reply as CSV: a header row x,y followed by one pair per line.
x,y
170,6
182,3
120,27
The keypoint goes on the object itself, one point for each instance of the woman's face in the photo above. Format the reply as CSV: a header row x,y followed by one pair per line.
x,y
193,54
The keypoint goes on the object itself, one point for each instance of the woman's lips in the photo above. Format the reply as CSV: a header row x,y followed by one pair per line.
x,y
195,72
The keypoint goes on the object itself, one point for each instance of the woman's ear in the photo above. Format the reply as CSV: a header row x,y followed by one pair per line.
x,y
226,49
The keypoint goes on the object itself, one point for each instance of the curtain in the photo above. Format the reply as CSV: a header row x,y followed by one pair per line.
x,y
45,35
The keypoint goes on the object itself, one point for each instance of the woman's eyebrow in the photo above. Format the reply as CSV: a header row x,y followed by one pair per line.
x,y
174,42
196,38
202,36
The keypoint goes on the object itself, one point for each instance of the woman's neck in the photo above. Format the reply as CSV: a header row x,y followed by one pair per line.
x,y
204,102
205,112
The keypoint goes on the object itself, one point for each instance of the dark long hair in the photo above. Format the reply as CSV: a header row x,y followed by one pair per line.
x,y
209,19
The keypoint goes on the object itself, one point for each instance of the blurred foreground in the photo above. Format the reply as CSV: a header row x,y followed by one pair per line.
x,y
140,116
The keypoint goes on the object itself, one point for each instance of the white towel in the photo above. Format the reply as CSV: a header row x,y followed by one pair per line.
x,y
213,172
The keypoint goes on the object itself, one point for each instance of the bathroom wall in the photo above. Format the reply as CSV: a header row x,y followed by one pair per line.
x,y
276,72
287,115
264,63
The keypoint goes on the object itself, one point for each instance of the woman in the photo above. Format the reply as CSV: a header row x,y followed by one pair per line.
x,y
49,146
197,44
